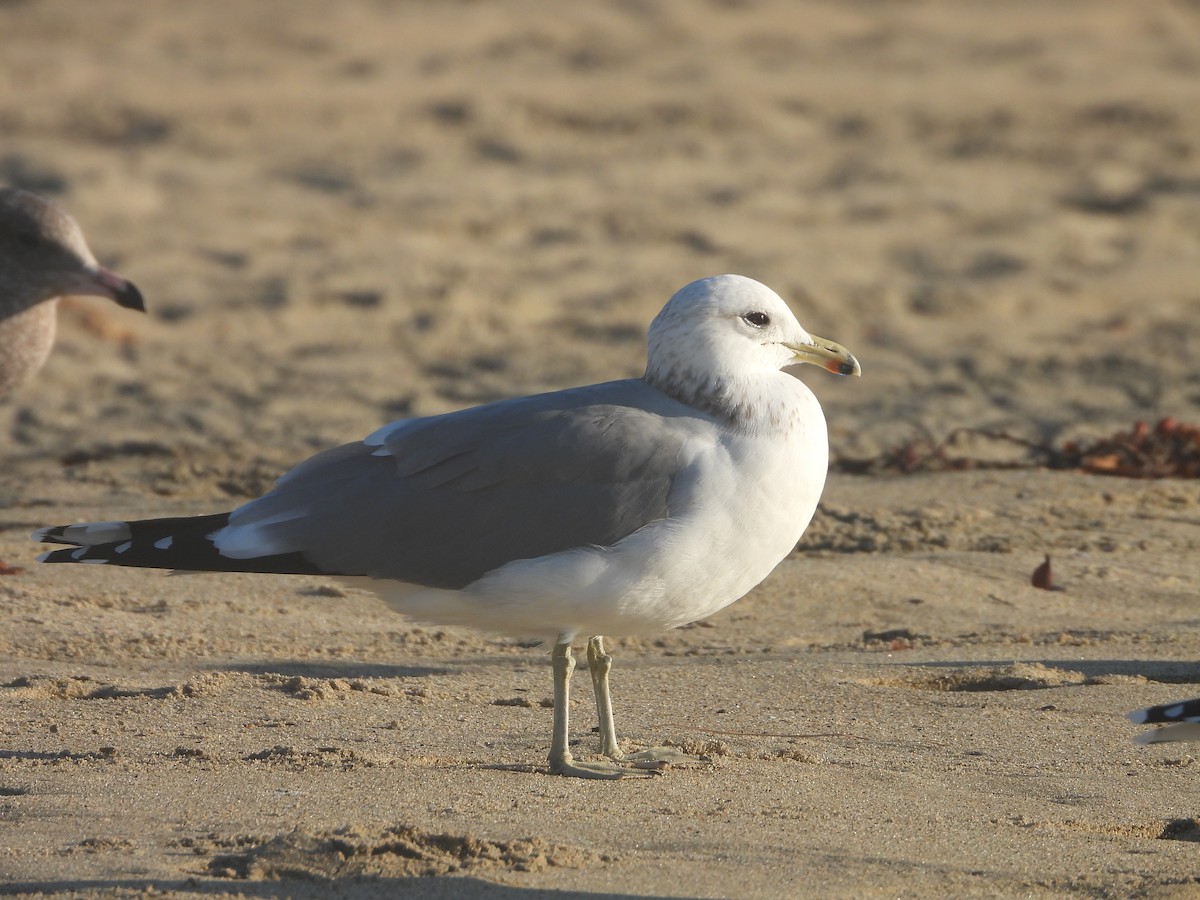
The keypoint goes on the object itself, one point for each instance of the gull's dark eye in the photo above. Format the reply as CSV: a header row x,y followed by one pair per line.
x,y
757,319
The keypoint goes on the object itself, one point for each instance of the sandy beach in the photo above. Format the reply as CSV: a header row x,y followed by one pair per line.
x,y
345,214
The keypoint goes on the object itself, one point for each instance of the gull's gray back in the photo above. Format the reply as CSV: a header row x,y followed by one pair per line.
x,y
442,501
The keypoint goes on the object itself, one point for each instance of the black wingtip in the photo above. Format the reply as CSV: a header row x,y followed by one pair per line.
x,y
181,543
68,555
51,534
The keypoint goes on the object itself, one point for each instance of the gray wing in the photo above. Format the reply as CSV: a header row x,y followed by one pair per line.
x,y
442,501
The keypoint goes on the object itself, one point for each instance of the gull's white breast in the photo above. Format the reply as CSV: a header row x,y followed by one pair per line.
x,y
742,502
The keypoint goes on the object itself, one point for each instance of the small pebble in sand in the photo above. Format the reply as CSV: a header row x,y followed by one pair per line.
x,y
1043,577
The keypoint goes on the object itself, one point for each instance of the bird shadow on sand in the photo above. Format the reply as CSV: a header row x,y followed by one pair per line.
x,y
985,675
348,669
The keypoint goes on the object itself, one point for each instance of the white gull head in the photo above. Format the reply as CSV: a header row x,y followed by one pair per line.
x,y
720,341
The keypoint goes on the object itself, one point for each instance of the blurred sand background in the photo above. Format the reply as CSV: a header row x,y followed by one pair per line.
x,y
347,213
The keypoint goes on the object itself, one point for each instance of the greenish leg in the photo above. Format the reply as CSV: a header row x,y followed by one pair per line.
x,y
599,664
561,761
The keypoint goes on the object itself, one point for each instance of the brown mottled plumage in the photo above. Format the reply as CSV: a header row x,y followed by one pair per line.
x,y
43,256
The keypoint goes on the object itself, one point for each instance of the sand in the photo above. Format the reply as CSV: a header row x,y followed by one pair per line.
x,y
342,214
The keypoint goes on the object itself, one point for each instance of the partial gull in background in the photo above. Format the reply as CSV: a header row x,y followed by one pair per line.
x,y
43,256
615,509
1182,721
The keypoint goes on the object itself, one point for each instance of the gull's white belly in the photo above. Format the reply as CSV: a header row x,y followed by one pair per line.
x,y
726,545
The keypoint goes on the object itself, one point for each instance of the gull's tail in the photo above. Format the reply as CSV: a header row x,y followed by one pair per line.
x,y
1182,721
182,543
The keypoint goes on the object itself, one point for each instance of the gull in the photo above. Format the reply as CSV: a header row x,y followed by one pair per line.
x,y
43,256
621,508
1182,720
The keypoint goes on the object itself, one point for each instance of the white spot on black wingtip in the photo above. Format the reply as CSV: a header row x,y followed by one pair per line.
x,y
99,562
77,554
42,557
121,548
91,533
1138,716
1174,712
164,543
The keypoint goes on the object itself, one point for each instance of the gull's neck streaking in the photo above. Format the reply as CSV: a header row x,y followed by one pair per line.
x,y
751,402
704,353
